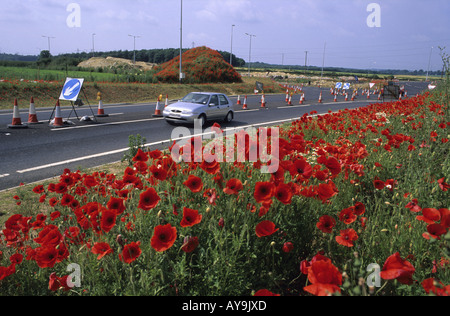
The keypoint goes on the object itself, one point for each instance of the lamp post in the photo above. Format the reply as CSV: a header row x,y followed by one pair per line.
x,y
181,42
231,53
429,63
250,54
93,45
134,58
48,37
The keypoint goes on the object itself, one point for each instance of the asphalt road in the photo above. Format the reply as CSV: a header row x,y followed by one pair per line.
x,y
41,152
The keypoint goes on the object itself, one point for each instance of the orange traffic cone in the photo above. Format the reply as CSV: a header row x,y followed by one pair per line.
x,y
287,95
263,101
244,107
16,121
290,100
320,98
239,100
158,109
167,101
32,116
58,121
101,111
335,98
302,98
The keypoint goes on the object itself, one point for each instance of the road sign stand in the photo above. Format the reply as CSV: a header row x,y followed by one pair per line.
x,y
70,92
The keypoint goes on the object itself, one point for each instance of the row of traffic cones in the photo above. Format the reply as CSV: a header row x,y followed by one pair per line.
x,y
17,121
159,109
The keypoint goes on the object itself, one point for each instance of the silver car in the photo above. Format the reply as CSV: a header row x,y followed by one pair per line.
x,y
203,106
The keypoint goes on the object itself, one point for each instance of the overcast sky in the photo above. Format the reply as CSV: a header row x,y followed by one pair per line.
x,y
403,35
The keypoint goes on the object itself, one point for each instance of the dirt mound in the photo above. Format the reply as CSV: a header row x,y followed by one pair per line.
x,y
200,65
112,62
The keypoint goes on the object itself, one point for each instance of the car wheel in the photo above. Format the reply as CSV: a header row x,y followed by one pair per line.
x,y
170,123
202,119
229,117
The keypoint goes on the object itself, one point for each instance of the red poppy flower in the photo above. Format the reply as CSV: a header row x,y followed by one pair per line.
x,y
265,228
397,268
39,189
140,156
108,220
283,193
326,191
413,206
325,279
378,184
101,249
288,247
443,185
116,204
233,187
348,216
265,292
210,167
264,191
333,165
158,172
301,167
190,244
46,257
130,252
359,208
436,287
347,237
164,237
436,230
149,199
56,283
190,218
326,224
194,183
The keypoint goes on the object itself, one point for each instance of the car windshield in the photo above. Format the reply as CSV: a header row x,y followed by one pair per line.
x,y
196,98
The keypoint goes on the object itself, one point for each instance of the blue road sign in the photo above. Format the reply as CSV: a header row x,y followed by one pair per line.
x,y
338,85
346,86
71,89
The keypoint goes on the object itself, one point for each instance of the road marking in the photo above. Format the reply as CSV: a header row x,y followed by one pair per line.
x,y
106,124
4,175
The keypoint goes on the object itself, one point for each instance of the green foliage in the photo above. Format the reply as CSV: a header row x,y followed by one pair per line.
x,y
135,143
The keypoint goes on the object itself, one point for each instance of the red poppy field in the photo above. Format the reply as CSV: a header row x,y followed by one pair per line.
x,y
358,206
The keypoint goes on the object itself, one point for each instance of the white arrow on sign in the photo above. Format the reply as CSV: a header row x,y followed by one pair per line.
x,y
70,90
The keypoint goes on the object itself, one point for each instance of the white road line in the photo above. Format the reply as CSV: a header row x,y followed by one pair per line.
x,y
106,124
72,160
4,175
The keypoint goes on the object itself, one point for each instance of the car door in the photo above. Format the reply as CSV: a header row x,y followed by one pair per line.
x,y
213,111
225,106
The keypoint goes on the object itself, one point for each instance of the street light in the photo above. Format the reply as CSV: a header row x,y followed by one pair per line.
x,y
181,43
231,53
48,37
134,36
93,45
429,63
250,54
